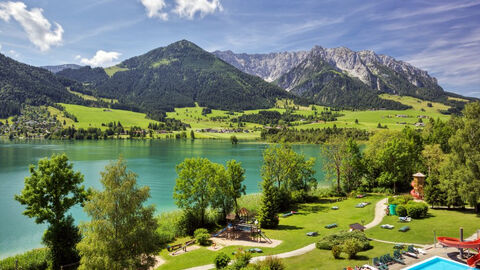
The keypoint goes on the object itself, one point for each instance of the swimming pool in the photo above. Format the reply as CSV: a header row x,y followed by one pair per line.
x,y
438,263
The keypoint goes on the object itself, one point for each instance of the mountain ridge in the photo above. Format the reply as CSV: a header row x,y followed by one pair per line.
x,y
379,72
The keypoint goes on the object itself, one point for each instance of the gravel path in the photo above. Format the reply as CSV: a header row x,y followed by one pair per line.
x,y
379,214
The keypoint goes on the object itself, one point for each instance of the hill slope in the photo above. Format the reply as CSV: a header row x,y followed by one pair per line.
x,y
23,84
180,75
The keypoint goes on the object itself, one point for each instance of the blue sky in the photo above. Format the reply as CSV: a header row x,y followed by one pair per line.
x,y
442,37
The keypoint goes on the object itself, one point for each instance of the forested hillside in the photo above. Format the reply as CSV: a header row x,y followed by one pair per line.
x,y
23,84
178,76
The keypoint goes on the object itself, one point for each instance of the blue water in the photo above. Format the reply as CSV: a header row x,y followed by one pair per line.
x,y
438,263
153,161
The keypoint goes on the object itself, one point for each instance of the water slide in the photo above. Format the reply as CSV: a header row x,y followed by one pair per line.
x,y
456,243
265,237
413,192
220,232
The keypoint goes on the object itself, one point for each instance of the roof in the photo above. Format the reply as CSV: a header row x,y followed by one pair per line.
x,y
357,226
419,174
243,212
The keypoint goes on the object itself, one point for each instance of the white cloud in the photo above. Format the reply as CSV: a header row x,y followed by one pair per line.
x,y
188,8
154,9
100,59
39,30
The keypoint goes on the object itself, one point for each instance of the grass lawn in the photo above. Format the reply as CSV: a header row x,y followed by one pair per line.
x,y
444,222
292,230
323,259
94,117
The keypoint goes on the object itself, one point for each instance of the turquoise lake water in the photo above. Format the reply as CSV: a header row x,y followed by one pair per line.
x,y
153,161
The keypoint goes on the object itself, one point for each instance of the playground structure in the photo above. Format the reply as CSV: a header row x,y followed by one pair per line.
x,y
239,227
417,184
461,245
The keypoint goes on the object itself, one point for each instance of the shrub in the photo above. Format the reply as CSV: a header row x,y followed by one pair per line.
x,y
270,263
222,260
36,259
351,246
337,239
169,226
336,251
401,211
403,199
202,236
242,259
417,210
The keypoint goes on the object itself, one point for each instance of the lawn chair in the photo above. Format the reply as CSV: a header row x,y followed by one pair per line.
x,y
404,219
312,233
404,229
394,259
379,264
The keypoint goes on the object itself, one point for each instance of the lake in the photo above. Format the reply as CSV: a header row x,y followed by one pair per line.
x,y
153,161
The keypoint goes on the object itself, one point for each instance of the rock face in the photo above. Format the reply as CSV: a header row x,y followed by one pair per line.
x,y
379,72
267,66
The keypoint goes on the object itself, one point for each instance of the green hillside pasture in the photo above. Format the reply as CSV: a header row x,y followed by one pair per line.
x,y
114,69
88,97
94,117
369,119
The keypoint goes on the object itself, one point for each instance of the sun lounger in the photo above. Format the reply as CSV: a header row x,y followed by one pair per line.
x,y
287,214
362,204
312,233
330,226
404,219
369,267
395,259
404,229
255,250
387,226
421,251
334,207
379,264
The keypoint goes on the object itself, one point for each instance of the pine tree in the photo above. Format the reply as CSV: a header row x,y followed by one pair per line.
x,y
269,206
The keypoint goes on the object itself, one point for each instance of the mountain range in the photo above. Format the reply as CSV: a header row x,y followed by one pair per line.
x,y
183,74
314,73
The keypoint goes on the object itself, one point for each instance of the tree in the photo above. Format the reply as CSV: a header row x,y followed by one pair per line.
x,y
352,165
50,191
234,139
288,170
333,151
121,233
267,215
465,155
433,157
235,175
193,187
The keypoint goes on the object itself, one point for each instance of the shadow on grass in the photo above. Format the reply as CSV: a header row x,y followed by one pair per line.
x,y
288,227
313,208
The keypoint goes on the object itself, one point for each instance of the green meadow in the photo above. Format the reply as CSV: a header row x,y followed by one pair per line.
x,y
220,119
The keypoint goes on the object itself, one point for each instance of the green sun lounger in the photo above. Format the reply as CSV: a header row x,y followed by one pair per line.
x,y
404,229
330,226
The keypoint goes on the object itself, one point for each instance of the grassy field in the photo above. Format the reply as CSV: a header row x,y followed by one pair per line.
x,y
94,117
88,97
292,230
219,119
444,222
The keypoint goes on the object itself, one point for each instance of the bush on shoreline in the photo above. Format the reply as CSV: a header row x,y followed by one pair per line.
x,y
36,259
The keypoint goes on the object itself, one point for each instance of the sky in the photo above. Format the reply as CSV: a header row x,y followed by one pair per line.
x,y
440,36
